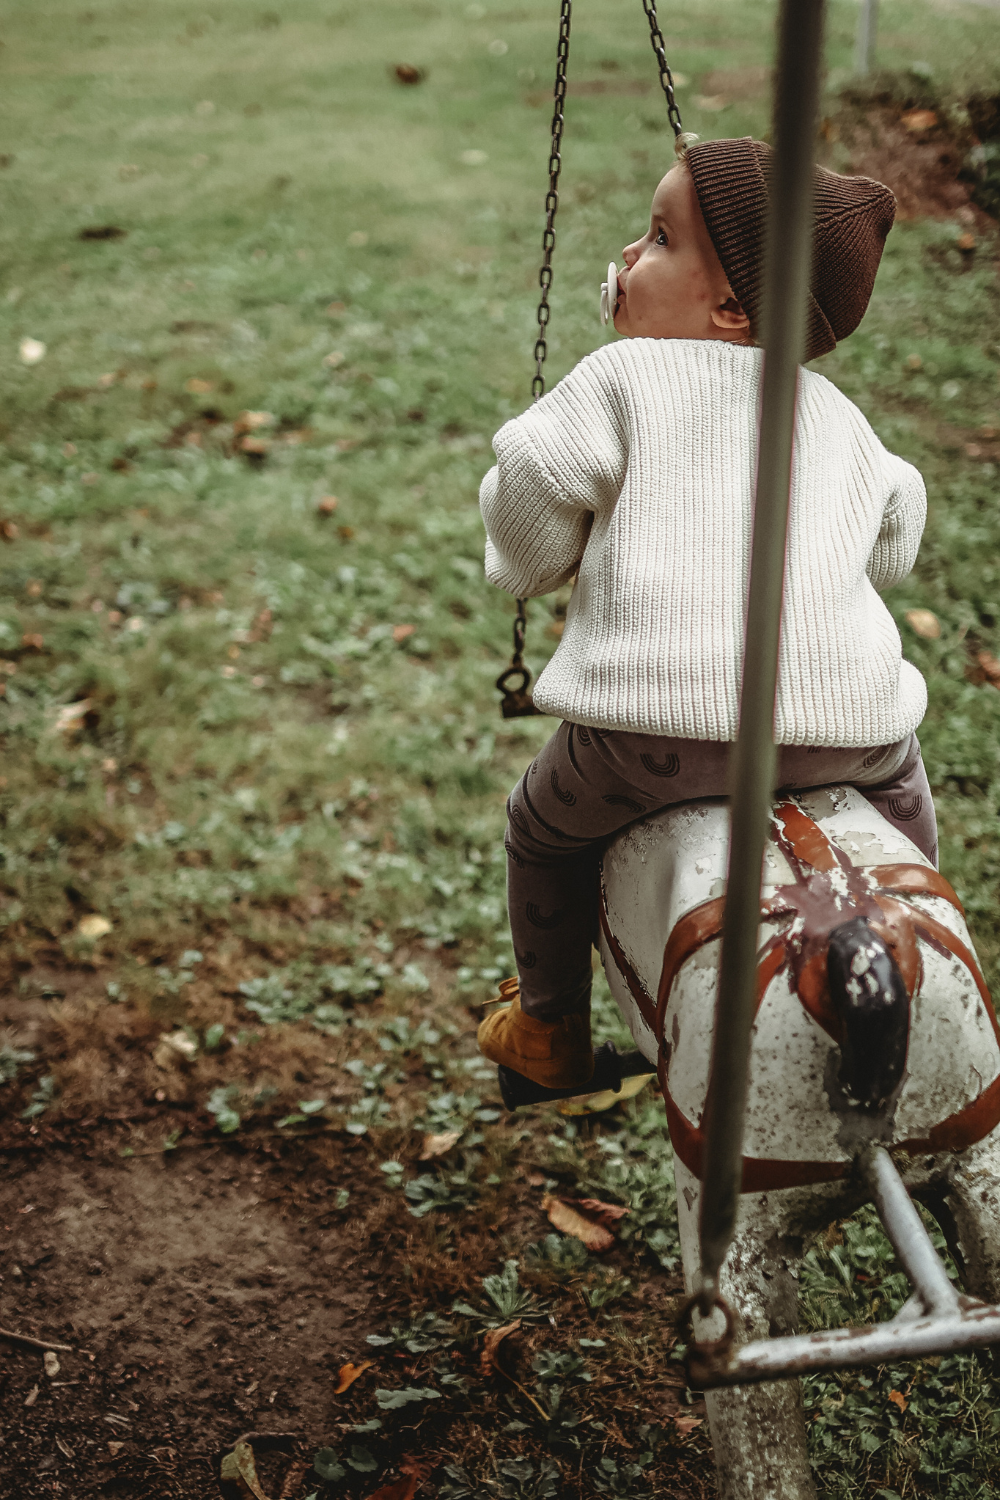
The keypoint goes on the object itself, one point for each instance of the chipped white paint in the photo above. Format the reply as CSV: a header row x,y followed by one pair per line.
x,y
655,873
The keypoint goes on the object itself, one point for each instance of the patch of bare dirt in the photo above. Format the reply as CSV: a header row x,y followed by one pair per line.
x,y
199,1300
218,1290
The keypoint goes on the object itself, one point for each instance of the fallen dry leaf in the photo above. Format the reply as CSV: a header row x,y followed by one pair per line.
x,y
255,445
173,1049
491,1345
924,622
71,716
196,387
687,1424
93,926
916,121
607,1214
327,505
349,1374
402,632
32,1396
9,531
115,1448
403,1489
239,1465
32,641
990,668
966,243
252,421
439,1145
898,1399
293,1479
407,73
567,1218
536,1179
51,1363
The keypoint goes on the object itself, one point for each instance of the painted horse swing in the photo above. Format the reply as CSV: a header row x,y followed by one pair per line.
x,y
799,975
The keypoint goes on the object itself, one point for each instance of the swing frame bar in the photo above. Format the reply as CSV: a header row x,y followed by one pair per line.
x,y
936,1319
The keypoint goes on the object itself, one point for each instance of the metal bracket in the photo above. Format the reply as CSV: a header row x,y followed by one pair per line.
x,y
936,1319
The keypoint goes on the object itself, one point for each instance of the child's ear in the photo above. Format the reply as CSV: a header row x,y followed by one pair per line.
x,y
729,314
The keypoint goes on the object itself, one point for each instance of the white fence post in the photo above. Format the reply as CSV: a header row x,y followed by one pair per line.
x,y
864,42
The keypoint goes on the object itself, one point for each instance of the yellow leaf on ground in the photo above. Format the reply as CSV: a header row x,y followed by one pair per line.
x,y
925,622
595,1104
567,1218
439,1145
349,1374
93,926
898,1399
916,121
491,1344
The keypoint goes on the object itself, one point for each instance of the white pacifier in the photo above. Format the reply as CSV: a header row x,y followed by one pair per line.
x,y
609,294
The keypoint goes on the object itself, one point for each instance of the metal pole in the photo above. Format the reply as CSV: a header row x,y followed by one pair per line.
x,y
864,41
905,1229
786,282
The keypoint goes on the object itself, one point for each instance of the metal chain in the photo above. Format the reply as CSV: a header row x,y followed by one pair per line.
x,y
545,274
666,77
552,196
551,208
520,625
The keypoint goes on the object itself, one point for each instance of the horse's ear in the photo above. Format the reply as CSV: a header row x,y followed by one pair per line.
x,y
868,993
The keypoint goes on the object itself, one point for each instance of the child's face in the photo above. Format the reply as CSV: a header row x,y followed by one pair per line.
x,y
673,285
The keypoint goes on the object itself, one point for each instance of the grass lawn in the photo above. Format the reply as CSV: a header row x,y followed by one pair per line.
x,y
253,771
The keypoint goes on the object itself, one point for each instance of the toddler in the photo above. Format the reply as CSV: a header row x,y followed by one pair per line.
x,y
636,474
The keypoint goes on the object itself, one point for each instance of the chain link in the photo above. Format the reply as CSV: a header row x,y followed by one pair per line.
x,y
552,196
666,77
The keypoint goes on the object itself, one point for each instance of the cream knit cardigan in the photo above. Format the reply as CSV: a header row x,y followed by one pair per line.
x,y
636,473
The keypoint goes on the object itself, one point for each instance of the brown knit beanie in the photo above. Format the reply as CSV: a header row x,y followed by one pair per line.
x,y
853,215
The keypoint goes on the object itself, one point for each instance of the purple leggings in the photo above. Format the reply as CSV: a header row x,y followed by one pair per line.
x,y
588,784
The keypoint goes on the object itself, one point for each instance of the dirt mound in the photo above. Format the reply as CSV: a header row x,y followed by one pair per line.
x,y
920,165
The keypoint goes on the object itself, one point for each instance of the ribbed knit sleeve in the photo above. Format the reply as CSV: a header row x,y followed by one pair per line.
x,y
556,465
903,519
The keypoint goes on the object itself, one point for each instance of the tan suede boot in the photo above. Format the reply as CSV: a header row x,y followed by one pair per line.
x,y
556,1054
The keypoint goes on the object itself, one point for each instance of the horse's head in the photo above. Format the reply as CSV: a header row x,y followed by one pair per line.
x,y
873,1018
